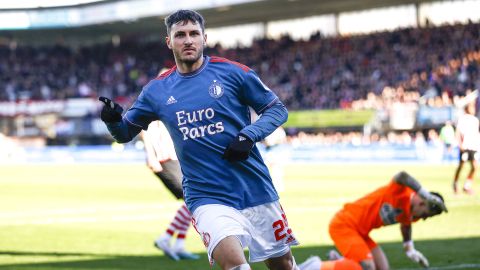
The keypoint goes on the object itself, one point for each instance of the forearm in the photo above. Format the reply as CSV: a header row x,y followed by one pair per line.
x,y
405,179
270,120
409,247
406,233
123,132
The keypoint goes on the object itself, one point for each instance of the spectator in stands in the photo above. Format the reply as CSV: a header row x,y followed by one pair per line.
x,y
320,73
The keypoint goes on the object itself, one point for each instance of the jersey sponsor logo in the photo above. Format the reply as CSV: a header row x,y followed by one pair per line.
x,y
171,100
388,214
216,89
185,118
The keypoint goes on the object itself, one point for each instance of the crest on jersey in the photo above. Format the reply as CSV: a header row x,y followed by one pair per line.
x,y
216,89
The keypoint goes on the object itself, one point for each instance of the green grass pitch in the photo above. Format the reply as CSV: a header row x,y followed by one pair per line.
x,y
107,216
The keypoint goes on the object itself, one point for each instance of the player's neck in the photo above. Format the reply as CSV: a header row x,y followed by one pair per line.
x,y
184,67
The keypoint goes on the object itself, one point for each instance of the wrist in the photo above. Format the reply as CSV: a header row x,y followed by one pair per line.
x,y
408,245
245,136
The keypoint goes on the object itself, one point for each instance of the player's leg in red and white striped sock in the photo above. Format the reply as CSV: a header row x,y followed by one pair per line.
x,y
181,222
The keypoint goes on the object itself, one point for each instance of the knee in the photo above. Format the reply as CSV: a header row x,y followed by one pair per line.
x,y
285,262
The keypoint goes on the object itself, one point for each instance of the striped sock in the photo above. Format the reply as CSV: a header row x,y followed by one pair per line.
x,y
181,223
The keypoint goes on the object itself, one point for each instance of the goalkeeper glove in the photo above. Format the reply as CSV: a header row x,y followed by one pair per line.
x,y
414,254
238,149
432,199
111,111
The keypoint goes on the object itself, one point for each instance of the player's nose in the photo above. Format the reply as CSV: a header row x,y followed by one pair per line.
x,y
188,40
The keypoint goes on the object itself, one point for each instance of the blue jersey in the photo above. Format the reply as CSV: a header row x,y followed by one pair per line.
x,y
203,111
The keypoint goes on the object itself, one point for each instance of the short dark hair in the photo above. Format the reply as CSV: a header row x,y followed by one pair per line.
x,y
184,15
435,209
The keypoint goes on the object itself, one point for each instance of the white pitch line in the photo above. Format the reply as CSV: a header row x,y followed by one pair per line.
x,y
124,213
458,266
82,210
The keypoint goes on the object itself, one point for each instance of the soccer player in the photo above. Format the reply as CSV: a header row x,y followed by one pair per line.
x,y
163,162
402,201
204,103
468,142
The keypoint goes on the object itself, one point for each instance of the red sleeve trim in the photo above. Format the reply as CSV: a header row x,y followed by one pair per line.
x,y
216,59
166,73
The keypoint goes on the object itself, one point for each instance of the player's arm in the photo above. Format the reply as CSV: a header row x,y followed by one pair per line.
x,y
409,247
406,230
403,178
273,117
119,127
151,156
240,147
265,103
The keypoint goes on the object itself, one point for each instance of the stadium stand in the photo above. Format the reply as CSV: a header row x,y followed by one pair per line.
x,y
319,73
415,67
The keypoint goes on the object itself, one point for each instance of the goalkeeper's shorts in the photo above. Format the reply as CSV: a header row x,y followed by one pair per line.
x,y
349,242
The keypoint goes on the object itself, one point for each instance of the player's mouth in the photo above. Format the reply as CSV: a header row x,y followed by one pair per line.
x,y
189,50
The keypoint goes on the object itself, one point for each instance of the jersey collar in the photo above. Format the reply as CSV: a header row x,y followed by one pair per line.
x,y
206,59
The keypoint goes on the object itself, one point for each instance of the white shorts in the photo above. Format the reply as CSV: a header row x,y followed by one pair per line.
x,y
263,229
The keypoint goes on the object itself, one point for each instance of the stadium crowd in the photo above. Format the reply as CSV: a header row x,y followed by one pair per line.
x,y
430,65
355,138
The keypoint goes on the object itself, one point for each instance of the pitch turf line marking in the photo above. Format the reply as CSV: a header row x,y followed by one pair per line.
x,y
120,213
100,218
84,210
458,266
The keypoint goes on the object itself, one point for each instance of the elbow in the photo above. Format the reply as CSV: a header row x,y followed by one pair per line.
x,y
400,176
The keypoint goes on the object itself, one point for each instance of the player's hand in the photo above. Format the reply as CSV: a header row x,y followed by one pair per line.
x,y
154,165
238,149
111,111
417,257
432,198
414,254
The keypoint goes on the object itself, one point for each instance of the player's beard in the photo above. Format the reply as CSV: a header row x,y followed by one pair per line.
x,y
189,59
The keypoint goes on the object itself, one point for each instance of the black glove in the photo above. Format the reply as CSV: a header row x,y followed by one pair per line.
x,y
111,111
238,149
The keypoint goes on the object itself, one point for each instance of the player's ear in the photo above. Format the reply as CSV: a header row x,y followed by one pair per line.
x,y
205,40
167,40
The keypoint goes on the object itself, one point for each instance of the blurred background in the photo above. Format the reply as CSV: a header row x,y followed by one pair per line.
x,y
372,87
356,73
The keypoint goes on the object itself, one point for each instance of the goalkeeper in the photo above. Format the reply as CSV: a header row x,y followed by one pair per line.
x,y
402,201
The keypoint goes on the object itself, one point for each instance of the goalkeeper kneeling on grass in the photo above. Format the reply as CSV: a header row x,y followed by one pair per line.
x,y
402,201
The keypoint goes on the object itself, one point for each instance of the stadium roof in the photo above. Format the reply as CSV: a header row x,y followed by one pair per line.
x,y
256,11
31,4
